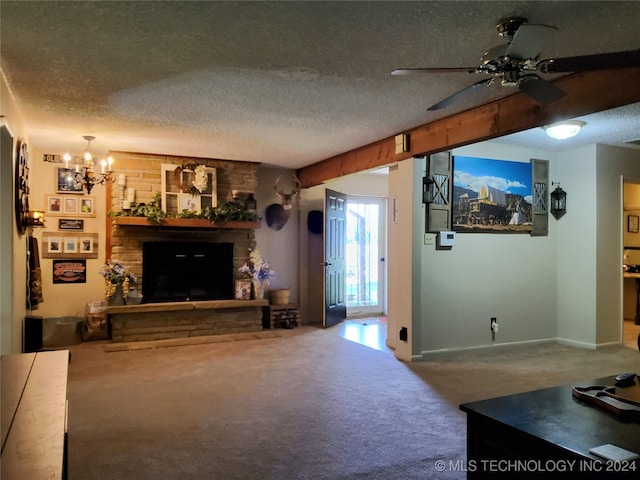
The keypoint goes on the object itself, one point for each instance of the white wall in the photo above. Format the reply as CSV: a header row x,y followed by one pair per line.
x,y
404,259
612,164
576,250
279,247
508,276
61,300
13,250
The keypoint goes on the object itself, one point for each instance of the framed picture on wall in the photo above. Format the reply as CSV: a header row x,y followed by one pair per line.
x,y
54,245
70,224
86,244
69,271
70,245
74,245
632,223
54,204
66,183
70,205
86,206
491,196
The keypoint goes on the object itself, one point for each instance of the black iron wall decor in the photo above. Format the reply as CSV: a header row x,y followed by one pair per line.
x,y
558,201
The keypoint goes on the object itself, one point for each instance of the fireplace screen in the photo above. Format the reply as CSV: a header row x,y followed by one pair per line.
x,y
186,271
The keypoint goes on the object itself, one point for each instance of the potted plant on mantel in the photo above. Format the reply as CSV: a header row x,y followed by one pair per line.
x,y
229,214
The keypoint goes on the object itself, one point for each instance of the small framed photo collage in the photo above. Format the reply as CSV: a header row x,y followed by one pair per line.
x,y
69,243
67,205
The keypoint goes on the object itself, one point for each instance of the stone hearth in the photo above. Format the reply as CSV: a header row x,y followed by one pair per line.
x,y
125,238
160,321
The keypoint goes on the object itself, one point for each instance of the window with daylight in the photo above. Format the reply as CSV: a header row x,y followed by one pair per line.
x,y
365,254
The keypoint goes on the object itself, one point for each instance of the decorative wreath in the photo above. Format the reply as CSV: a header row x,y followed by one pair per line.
x,y
200,181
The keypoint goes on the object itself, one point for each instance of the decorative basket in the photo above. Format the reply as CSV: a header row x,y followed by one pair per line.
x,y
280,297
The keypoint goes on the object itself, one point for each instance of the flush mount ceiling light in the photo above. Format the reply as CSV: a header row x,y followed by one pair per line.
x,y
564,130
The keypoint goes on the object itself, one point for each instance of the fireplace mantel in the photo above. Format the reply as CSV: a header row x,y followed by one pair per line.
x,y
182,223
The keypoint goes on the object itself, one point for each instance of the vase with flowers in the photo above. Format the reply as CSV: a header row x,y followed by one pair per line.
x,y
117,278
259,271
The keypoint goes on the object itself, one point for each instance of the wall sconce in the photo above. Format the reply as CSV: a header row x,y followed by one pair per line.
x,y
564,130
35,218
558,201
427,190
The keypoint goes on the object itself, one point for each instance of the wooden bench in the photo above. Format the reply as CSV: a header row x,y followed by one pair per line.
x,y
34,415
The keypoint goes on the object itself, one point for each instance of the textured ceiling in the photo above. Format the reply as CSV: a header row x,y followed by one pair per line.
x,y
284,83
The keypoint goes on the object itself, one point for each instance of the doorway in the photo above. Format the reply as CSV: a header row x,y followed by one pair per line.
x,y
366,256
631,263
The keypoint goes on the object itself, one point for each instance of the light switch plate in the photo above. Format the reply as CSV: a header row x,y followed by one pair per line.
x,y
429,238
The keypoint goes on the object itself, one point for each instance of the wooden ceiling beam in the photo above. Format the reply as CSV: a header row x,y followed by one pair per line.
x,y
587,93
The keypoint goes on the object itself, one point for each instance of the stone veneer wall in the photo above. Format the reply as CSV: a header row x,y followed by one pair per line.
x,y
143,173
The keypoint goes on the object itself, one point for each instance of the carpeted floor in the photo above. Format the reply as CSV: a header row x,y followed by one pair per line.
x,y
306,405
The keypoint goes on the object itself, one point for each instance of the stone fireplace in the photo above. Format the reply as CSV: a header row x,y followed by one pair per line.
x,y
143,174
180,314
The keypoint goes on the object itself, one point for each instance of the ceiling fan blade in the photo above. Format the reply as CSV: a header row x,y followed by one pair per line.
x,y
584,63
529,41
540,90
410,71
462,93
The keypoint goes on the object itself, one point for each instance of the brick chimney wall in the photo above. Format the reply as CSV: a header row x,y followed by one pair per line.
x,y
143,173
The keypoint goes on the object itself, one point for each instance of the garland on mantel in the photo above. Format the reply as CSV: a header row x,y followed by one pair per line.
x,y
198,185
232,211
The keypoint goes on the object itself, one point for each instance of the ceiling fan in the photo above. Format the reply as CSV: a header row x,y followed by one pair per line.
x,y
516,62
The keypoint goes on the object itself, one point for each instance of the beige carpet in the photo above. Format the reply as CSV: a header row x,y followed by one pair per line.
x,y
306,405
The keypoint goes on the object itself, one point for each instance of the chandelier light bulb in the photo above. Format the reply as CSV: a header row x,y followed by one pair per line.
x,y
85,176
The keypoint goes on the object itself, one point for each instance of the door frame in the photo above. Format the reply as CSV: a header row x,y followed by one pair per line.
x,y
381,308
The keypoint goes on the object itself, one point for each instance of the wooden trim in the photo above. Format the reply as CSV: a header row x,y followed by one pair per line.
x,y
183,223
587,93
107,223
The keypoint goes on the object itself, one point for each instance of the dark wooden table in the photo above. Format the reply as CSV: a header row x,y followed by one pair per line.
x,y
547,434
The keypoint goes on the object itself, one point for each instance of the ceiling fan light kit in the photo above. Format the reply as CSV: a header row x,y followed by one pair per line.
x,y
517,63
564,130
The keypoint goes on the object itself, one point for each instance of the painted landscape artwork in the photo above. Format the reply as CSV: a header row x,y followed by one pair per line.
x,y
491,196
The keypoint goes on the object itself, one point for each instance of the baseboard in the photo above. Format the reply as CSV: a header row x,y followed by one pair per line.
x,y
427,353
575,343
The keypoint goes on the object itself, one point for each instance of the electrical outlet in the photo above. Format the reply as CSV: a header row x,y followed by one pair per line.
x,y
429,238
403,334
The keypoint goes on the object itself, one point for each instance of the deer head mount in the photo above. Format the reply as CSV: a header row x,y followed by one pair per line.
x,y
277,215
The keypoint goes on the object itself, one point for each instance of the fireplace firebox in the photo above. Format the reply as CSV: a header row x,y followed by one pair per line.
x,y
186,271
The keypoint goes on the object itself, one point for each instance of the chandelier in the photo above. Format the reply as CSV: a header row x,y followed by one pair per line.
x,y
83,174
